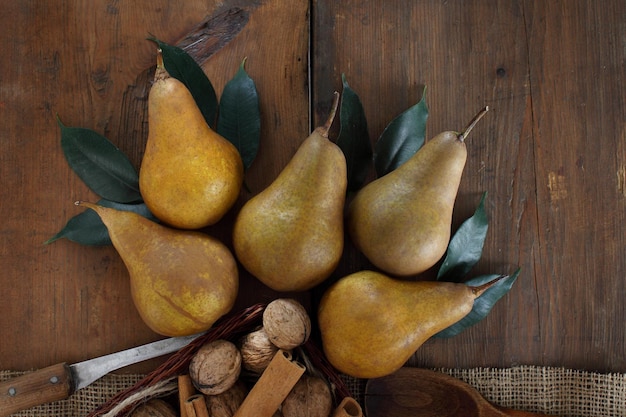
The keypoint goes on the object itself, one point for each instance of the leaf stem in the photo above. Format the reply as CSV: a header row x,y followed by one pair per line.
x,y
472,123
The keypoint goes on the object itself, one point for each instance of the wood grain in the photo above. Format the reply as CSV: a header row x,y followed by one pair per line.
x,y
550,154
52,383
579,133
78,59
422,392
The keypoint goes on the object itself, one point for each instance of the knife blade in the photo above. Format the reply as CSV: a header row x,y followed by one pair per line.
x,y
58,382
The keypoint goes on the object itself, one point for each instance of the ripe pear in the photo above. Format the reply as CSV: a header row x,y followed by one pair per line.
x,y
181,281
290,236
190,176
402,221
371,323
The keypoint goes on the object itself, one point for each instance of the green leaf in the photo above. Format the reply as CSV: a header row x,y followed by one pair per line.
x,y
180,65
100,164
354,138
401,138
239,116
466,246
483,304
86,228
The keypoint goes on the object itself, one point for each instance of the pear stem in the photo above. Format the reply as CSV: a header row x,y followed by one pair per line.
x,y
85,204
480,290
471,124
323,130
160,73
160,58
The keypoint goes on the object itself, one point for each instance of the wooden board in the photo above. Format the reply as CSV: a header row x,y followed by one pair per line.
x,y
81,60
551,154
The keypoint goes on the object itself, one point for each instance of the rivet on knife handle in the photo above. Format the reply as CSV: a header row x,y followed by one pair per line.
x,y
46,385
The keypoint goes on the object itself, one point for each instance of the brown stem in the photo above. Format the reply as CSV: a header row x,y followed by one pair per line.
x,y
323,130
86,204
471,124
480,290
160,73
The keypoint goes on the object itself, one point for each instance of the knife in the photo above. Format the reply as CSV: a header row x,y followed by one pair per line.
x,y
58,382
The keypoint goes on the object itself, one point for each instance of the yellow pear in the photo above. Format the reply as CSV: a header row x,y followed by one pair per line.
x,y
190,176
290,236
371,324
402,221
181,281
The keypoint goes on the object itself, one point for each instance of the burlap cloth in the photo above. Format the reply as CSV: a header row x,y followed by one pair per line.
x,y
556,391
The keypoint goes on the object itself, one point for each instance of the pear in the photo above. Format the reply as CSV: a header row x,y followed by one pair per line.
x,y
402,221
371,324
190,176
290,236
181,281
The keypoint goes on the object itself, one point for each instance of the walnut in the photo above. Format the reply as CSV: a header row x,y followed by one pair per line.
x,y
310,397
215,367
257,351
226,403
154,408
286,323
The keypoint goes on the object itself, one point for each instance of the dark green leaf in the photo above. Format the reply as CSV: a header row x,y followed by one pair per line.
x,y
466,246
483,304
239,115
354,138
180,65
401,138
100,164
86,228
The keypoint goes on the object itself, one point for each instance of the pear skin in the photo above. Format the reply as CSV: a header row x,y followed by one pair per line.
x,y
290,236
372,324
190,176
402,221
181,281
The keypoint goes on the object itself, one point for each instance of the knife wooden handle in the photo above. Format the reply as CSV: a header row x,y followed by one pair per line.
x,y
43,386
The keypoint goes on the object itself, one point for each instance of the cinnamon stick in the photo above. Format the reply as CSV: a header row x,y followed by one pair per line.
x,y
272,387
185,390
195,406
348,407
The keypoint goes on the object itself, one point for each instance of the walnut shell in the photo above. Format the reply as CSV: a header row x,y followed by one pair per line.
x,y
215,367
257,351
310,397
226,403
154,408
286,323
